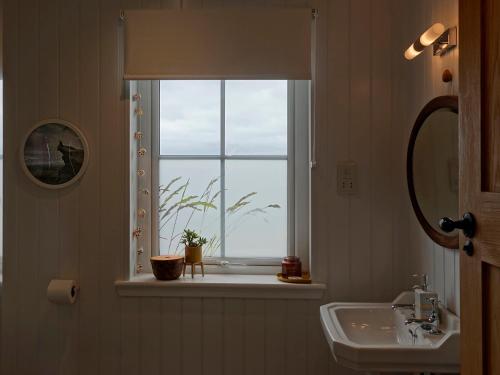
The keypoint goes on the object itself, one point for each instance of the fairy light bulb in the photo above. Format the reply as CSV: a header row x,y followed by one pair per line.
x,y
144,191
137,232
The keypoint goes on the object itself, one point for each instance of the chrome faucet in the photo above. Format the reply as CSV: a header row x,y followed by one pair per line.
x,y
431,323
424,284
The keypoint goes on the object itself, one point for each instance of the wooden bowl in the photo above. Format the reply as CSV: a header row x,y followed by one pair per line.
x,y
167,267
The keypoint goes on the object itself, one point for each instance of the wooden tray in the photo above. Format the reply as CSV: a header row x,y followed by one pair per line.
x,y
305,279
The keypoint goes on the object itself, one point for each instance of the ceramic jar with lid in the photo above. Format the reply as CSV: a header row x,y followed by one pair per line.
x,y
291,266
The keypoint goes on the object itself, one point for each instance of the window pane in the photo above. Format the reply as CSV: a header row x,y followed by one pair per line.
x,y
256,208
256,117
189,198
189,117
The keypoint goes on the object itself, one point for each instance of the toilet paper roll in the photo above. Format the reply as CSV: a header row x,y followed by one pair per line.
x,y
62,292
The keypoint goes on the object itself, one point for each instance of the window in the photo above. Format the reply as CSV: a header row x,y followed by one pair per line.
x,y
229,159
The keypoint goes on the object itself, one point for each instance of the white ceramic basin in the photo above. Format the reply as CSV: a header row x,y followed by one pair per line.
x,y
373,337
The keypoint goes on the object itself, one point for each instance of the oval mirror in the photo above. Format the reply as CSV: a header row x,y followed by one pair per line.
x,y
432,167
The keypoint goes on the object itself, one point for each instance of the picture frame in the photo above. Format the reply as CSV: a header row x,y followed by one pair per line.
x,y
54,154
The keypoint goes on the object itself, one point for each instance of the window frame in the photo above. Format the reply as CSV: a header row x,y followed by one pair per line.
x,y
297,157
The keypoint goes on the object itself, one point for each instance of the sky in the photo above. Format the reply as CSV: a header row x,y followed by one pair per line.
x,y
256,117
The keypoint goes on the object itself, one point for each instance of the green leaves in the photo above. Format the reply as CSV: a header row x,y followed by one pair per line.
x,y
171,195
175,197
273,206
192,239
240,203
166,210
164,189
179,205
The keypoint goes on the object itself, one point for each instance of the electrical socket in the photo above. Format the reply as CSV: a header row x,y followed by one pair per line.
x,y
347,178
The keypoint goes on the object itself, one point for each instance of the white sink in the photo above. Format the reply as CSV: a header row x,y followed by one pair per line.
x,y
373,337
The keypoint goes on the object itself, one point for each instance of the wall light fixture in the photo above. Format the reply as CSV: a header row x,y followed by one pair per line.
x,y
441,39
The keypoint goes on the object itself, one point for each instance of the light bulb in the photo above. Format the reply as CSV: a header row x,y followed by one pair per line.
x,y
432,34
411,52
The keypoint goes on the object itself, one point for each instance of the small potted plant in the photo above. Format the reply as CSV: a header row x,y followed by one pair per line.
x,y
193,246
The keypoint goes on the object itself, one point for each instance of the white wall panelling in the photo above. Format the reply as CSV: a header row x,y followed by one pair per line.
x,y
62,60
440,263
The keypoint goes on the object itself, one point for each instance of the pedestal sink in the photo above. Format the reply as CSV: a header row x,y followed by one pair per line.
x,y
373,337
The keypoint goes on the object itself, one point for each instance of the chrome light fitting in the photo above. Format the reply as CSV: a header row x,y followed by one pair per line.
x,y
441,39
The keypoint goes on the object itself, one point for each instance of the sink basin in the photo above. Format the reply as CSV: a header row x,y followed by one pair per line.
x,y
373,337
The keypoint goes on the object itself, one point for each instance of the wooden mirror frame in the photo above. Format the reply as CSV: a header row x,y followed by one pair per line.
x,y
448,102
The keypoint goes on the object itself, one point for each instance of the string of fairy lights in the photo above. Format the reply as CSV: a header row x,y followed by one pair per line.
x,y
138,232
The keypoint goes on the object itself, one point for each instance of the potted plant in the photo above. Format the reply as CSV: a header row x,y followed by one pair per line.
x,y
193,243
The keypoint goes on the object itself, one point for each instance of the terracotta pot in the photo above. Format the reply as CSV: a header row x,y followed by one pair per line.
x,y
167,267
193,254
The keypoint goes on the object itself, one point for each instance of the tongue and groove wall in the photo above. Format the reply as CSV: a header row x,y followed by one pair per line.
x,y
62,61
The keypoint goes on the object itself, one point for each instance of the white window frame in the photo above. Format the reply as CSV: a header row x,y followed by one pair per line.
x,y
297,174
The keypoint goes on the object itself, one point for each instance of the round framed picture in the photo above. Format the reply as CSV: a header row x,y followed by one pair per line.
x,y
54,154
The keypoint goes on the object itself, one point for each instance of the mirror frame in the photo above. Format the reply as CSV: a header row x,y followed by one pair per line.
x,y
447,102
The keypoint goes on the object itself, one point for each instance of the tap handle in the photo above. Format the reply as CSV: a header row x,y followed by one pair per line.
x,y
433,300
435,304
423,281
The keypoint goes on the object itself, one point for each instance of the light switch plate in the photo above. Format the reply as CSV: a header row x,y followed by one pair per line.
x,y
347,178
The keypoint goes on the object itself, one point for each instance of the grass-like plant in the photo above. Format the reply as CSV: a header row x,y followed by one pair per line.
x,y
176,197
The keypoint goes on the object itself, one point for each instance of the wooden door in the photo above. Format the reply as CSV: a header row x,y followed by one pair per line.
x,y
480,184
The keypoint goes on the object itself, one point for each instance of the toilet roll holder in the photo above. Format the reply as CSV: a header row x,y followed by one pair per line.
x,y
73,293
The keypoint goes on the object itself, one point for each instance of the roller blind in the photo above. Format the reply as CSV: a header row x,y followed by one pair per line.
x,y
1,39
218,44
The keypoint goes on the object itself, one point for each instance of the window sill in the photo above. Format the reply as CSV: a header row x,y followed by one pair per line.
x,y
219,286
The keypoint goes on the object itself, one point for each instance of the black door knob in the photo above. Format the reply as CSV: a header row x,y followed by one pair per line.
x,y
468,248
467,225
